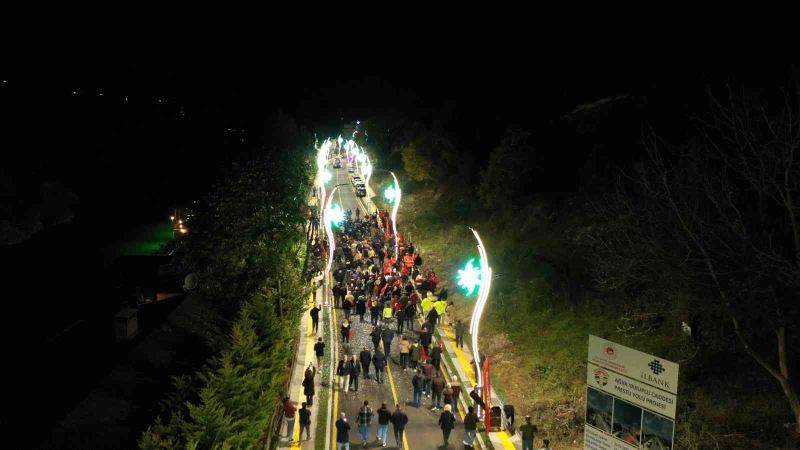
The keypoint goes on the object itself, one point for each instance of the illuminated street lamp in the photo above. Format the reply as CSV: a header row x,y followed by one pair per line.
x,y
395,194
468,279
322,160
367,169
330,216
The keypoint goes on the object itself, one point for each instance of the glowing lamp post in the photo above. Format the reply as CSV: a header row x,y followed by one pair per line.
x,y
367,169
322,175
333,216
393,195
469,279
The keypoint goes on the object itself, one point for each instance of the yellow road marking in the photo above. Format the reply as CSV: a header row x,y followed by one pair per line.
x,y
462,358
505,440
334,361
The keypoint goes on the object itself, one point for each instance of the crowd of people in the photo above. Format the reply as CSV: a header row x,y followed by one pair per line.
x,y
380,295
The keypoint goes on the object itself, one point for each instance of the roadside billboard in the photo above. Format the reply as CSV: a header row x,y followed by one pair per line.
x,y
631,398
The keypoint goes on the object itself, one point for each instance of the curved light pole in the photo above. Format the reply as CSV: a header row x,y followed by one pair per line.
x,y
367,169
329,232
477,311
397,195
322,160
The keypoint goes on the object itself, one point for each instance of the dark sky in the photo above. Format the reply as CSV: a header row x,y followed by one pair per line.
x,y
142,148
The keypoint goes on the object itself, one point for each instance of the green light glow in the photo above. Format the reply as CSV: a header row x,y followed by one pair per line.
x,y
335,215
390,194
469,278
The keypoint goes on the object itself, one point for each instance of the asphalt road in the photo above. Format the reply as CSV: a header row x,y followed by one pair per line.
x,y
422,431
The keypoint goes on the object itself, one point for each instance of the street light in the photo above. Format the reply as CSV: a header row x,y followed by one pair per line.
x,y
322,160
327,218
367,169
469,277
396,195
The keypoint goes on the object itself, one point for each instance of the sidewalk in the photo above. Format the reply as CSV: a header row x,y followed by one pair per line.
x,y
304,356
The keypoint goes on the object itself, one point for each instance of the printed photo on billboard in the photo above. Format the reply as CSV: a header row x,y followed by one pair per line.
x,y
657,431
598,409
627,422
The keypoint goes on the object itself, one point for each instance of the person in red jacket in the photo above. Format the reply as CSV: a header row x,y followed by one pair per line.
x,y
289,413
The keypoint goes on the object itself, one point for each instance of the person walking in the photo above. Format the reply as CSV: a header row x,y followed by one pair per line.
x,y
315,318
361,307
342,433
437,387
364,421
460,328
388,312
410,315
379,362
447,421
447,397
344,374
455,386
387,335
470,426
476,397
305,421
289,411
425,340
405,348
319,350
527,432
399,421
427,304
440,306
355,372
346,331
347,305
308,387
432,318
436,356
335,292
418,383
401,319
375,312
365,357
384,417
427,371
414,355
376,337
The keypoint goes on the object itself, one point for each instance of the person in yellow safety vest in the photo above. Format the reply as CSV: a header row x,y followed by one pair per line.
x,y
427,303
388,312
440,306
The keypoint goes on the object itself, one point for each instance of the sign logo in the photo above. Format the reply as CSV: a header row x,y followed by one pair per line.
x,y
656,367
601,377
610,350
